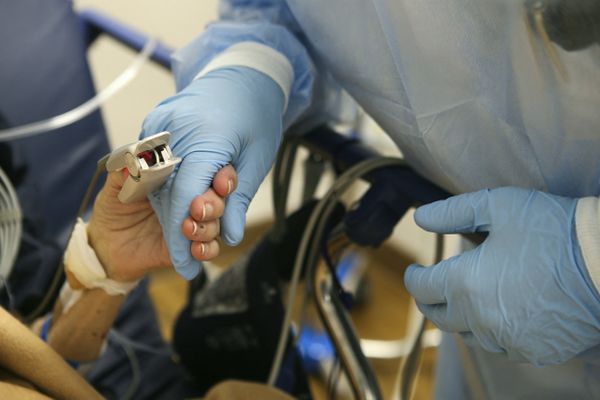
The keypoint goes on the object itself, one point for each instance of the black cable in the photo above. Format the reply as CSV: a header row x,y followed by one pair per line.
x,y
333,379
346,297
308,253
282,172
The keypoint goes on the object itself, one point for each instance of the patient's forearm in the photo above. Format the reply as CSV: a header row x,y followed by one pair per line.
x,y
89,301
14,387
10,390
23,354
78,334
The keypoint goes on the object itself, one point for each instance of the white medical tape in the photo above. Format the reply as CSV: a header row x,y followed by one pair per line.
x,y
81,260
587,222
259,57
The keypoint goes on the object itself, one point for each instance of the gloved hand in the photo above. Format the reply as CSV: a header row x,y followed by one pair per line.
x,y
525,290
231,115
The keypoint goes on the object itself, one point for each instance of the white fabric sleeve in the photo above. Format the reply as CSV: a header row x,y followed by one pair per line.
x,y
258,57
587,222
81,260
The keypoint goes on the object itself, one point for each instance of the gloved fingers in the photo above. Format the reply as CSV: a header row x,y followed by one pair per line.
x,y
204,251
207,207
200,231
440,316
459,214
427,284
225,182
157,204
159,119
193,177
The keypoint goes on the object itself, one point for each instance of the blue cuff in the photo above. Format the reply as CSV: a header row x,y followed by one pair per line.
x,y
46,328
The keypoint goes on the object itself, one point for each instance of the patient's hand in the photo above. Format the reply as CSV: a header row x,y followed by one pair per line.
x,y
128,238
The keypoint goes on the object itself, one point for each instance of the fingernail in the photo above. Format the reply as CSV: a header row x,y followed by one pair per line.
x,y
201,249
195,228
208,210
229,186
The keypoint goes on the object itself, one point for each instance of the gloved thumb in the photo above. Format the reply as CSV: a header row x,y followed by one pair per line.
x,y
251,168
465,213
233,220
427,285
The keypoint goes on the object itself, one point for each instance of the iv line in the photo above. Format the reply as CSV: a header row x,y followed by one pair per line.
x,y
86,108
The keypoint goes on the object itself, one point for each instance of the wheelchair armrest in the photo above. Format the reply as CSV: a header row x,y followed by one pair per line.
x,y
95,23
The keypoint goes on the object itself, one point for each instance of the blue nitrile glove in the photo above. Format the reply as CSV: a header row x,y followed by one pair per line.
x,y
525,290
231,115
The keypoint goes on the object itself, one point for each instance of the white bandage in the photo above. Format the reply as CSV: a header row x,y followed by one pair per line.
x,y
68,297
81,261
259,57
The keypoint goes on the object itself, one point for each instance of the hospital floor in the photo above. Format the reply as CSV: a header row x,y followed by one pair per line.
x,y
381,317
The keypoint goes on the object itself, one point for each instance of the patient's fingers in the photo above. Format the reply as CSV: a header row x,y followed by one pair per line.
x,y
203,251
200,231
203,227
225,181
207,206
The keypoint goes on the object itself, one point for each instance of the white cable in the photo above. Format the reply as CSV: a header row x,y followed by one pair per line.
x,y
389,349
10,227
85,108
10,224
136,373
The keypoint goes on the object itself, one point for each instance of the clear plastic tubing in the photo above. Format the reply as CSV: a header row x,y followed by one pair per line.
x,y
86,108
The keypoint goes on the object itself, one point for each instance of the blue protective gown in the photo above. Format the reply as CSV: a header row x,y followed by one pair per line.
x,y
471,97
